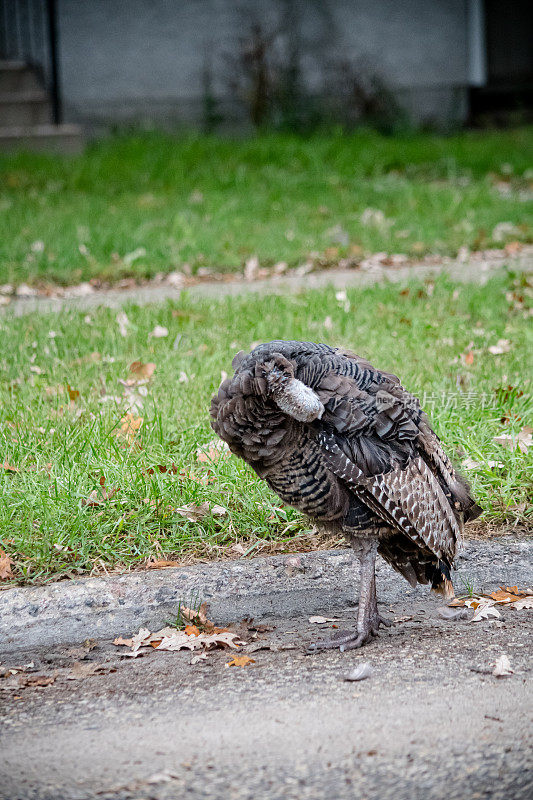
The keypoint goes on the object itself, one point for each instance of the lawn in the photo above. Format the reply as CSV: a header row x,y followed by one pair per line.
x,y
142,204
85,488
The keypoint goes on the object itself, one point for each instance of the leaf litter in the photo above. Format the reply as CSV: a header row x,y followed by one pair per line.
x,y
484,605
198,634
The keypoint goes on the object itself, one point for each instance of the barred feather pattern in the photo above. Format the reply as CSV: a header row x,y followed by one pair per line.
x,y
370,466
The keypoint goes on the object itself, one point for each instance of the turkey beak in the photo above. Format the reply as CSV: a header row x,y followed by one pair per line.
x,y
298,401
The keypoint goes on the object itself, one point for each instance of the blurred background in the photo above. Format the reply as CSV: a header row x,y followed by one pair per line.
x,y
175,178
232,65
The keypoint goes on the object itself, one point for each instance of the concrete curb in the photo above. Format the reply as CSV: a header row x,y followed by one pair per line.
x,y
476,271
282,586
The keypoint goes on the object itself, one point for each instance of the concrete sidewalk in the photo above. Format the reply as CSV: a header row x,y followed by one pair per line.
x,y
430,722
469,271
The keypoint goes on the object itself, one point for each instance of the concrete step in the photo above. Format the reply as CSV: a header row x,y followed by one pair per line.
x,y
16,76
42,138
25,108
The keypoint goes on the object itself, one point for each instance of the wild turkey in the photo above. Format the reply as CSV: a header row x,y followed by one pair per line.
x,y
345,443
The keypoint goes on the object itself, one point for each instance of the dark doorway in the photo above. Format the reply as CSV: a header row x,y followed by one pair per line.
x,y
508,93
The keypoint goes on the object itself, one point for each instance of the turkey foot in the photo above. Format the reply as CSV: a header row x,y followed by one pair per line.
x,y
350,640
368,617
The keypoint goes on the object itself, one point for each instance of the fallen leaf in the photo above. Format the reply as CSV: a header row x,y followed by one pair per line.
x,y
250,268
142,372
9,467
198,616
130,426
523,440
120,641
94,499
159,332
218,511
191,630
213,451
72,393
502,667
179,640
36,680
321,620
469,463
195,513
502,346
485,611
240,661
360,672
129,258
80,670
524,602
468,358
5,566
503,596
123,323
518,592
199,657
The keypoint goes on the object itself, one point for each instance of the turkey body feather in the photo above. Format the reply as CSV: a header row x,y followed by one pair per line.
x,y
346,444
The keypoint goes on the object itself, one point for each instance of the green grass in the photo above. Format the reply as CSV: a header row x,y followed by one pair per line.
x,y
62,448
212,203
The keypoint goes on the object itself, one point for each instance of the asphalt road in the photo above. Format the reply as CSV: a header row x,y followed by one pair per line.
x,y
430,722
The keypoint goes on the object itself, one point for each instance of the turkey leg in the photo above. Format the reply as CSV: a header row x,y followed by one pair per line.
x,y
368,618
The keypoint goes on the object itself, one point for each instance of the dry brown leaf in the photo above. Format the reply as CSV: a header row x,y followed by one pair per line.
x,y
162,564
457,601
515,590
194,513
172,639
198,617
142,372
81,670
9,467
121,641
523,602
485,611
468,358
36,680
192,630
523,440
213,451
94,499
72,393
240,661
503,596
130,426
5,566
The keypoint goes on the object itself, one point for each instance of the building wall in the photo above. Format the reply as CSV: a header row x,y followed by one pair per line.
x,y
145,59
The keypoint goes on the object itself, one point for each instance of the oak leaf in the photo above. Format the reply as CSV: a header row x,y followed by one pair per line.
x,y
523,602
240,661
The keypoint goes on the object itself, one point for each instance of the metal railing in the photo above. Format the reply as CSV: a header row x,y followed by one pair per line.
x,y
29,33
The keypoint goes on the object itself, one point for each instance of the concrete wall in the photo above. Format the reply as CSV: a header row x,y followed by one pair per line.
x,y
144,59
